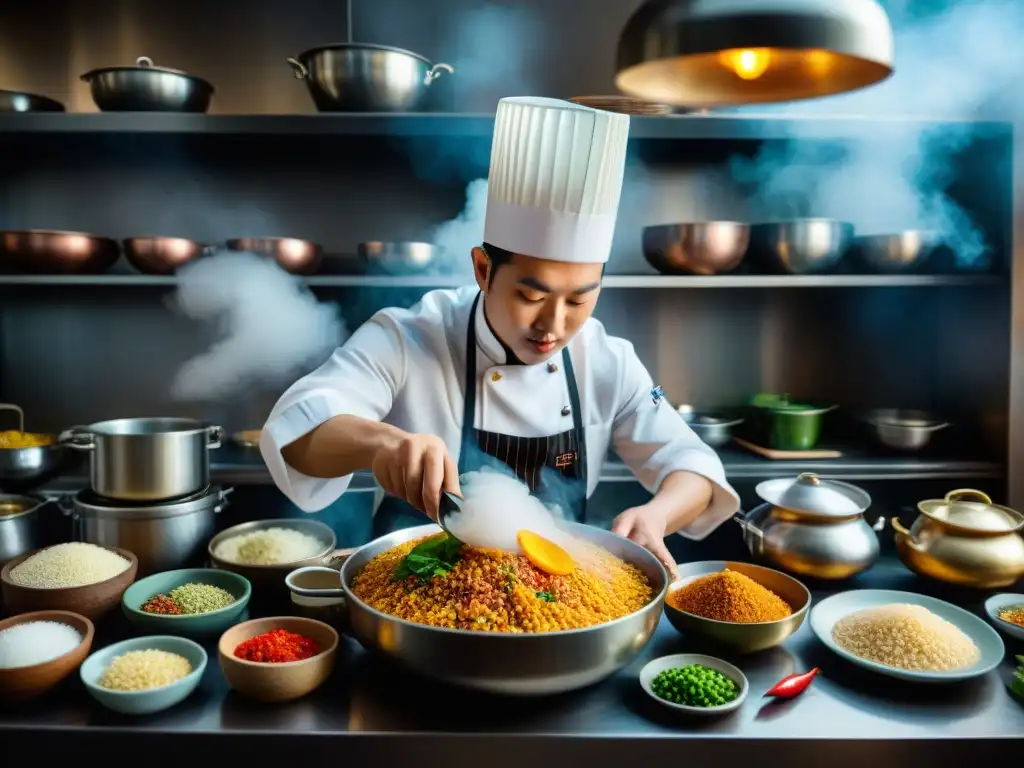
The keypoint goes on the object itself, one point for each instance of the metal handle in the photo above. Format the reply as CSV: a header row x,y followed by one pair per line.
x,y
143,61
808,478
79,438
17,409
435,72
298,69
967,494
904,534
214,437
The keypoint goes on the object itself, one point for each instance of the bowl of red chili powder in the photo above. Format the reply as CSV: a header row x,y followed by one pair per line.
x,y
279,658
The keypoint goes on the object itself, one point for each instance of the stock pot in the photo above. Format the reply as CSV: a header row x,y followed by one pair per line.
x,y
146,460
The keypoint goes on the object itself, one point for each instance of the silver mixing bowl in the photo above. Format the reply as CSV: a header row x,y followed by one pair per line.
x,y
803,245
896,253
697,248
518,665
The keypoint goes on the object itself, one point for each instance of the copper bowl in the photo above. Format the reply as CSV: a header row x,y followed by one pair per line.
x,y
161,255
53,252
300,257
697,248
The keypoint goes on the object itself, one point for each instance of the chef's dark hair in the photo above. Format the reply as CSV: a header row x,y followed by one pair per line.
x,y
499,256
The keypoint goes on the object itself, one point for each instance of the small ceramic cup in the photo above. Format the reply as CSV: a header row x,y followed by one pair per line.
x,y
317,594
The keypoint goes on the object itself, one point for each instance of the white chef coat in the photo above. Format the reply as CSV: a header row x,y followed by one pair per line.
x,y
405,367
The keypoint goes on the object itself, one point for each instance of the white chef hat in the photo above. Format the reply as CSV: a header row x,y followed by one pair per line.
x,y
555,179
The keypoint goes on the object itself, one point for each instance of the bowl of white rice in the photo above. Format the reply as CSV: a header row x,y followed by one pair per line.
x,y
39,649
74,576
265,551
907,636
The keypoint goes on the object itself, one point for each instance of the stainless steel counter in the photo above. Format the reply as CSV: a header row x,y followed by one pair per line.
x,y
373,711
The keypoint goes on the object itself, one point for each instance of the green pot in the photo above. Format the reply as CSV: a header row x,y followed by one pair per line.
x,y
794,427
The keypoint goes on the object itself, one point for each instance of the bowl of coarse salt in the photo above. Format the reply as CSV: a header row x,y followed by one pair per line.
x,y
38,650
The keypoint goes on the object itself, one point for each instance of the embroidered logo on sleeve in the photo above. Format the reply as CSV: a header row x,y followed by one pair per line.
x,y
657,393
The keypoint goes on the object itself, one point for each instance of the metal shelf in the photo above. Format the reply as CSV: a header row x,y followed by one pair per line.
x,y
610,281
712,126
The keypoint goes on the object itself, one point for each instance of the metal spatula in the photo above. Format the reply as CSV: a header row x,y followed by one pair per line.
x,y
450,505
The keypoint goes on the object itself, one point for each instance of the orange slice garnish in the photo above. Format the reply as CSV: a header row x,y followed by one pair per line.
x,y
545,554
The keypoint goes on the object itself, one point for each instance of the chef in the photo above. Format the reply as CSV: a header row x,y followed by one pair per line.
x,y
514,371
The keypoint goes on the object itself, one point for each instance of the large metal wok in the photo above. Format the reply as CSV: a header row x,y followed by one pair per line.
x,y
520,664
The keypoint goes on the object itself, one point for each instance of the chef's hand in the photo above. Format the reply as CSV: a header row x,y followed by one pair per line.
x,y
644,526
416,468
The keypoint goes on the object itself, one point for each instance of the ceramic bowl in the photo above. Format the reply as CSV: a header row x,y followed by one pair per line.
x,y
656,667
89,600
24,683
265,681
317,594
740,637
154,699
1001,602
990,645
195,625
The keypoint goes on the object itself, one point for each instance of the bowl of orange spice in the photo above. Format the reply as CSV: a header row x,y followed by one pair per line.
x,y
279,658
745,607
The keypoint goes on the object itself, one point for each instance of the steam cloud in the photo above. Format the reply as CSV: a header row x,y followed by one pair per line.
x,y
961,62
270,325
466,231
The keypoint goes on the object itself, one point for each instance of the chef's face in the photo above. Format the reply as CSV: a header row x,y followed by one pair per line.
x,y
536,306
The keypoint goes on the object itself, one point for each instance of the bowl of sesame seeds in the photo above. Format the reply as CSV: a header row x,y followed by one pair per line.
x,y
191,602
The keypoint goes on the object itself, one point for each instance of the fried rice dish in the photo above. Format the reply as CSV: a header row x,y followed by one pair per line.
x,y
494,591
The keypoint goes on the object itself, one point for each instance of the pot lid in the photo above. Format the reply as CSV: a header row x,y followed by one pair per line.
x,y
976,516
809,494
361,47
144,64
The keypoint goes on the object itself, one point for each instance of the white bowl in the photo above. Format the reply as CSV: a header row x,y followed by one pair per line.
x,y
654,668
990,646
1000,602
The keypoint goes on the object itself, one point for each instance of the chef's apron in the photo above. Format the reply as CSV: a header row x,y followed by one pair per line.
x,y
554,467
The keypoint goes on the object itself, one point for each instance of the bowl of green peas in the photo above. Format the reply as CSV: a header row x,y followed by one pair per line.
x,y
695,684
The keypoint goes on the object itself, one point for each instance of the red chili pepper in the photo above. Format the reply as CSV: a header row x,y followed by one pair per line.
x,y
791,686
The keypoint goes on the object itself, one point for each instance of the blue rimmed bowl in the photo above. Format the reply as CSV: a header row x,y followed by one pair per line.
x,y
198,625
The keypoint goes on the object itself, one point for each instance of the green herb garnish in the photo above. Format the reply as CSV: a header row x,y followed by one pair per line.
x,y
1017,681
547,597
435,557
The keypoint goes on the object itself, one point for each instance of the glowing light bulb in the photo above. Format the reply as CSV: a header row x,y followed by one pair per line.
x,y
748,63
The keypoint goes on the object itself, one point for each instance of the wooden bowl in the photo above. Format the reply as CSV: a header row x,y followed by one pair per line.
x,y
24,683
266,681
89,600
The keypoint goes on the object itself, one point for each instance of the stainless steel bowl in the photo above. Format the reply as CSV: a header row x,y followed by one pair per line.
x,y
398,258
904,430
802,245
45,251
271,577
896,253
22,467
15,101
698,248
521,664
713,428
358,77
147,88
740,637
161,255
21,527
300,257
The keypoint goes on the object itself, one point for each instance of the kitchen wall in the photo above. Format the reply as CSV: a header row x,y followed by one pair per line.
x,y
543,47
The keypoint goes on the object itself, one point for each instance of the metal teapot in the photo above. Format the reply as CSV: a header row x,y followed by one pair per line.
x,y
964,539
812,527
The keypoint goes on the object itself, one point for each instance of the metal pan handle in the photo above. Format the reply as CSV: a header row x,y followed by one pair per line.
x,y
214,437
17,409
79,438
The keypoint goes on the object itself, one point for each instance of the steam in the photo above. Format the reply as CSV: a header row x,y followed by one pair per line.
x,y
961,63
496,506
269,324
463,233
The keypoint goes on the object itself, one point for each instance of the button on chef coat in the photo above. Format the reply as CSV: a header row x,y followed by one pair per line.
x,y
405,367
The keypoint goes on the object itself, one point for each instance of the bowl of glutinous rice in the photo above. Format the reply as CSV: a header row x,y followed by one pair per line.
x,y
265,551
906,635
145,674
74,576
193,602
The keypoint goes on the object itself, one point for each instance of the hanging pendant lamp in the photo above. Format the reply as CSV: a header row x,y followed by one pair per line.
x,y
706,53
